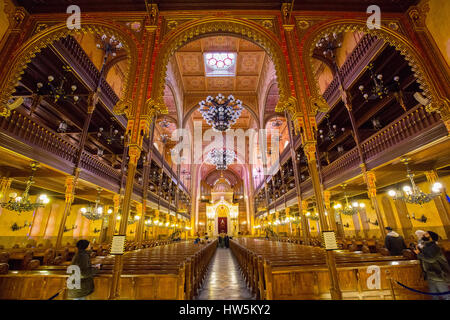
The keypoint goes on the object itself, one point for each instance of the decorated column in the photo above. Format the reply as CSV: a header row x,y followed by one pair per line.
x,y
310,152
370,179
69,197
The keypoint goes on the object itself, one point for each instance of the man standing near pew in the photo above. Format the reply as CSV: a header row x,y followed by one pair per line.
x,y
82,259
394,242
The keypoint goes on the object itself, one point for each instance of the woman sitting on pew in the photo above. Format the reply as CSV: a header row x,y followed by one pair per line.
x,y
82,259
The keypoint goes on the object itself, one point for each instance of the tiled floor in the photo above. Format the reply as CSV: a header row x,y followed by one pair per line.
x,y
224,280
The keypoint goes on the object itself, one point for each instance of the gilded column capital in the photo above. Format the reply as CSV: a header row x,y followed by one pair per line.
x,y
70,188
116,201
304,205
431,176
309,148
418,14
134,152
370,179
92,101
327,199
123,107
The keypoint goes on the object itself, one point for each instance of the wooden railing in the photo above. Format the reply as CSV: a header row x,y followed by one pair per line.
x,y
91,164
82,64
24,129
410,124
353,65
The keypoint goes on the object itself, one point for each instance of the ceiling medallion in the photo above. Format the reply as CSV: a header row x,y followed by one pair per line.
x,y
220,112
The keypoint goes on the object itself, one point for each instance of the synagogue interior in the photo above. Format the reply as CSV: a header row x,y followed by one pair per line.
x,y
275,148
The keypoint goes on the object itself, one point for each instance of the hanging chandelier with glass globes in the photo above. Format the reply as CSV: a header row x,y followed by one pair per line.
x,y
220,112
412,194
58,91
348,209
22,203
93,212
221,158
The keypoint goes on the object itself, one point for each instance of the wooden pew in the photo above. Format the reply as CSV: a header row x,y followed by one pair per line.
x,y
276,270
173,271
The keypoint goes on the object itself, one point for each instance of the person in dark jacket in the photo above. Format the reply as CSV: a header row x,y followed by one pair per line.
x,y
82,259
435,266
394,242
227,241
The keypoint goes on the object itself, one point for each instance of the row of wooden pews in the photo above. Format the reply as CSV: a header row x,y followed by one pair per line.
x,y
173,271
30,258
283,270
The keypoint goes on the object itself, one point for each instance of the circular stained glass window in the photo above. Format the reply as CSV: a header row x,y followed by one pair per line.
x,y
220,61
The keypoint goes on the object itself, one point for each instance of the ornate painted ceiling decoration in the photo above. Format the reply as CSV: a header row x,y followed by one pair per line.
x,y
248,64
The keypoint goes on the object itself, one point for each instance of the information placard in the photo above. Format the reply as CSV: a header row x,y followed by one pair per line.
x,y
329,240
118,245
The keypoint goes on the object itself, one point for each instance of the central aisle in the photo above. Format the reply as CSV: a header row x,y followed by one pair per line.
x,y
224,280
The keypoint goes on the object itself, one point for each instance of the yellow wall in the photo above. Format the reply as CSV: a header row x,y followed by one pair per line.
x,y
45,227
349,42
438,24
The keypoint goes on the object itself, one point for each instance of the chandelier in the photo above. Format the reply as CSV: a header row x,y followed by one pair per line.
x,y
413,194
22,203
379,90
112,136
348,209
221,158
164,123
221,113
93,213
59,90
332,130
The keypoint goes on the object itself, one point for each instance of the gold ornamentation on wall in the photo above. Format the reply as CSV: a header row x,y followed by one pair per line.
x,y
319,104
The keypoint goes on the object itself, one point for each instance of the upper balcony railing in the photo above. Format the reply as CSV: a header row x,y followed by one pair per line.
x,y
82,64
413,129
402,130
364,51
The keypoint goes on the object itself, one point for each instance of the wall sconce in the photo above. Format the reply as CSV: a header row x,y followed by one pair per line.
x,y
346,225
15,226
422,219
96,230
70,229
374,223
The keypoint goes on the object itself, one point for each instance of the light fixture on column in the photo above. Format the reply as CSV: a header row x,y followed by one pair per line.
x,y
374,223
220,112
413,194
221,158
93,212
110,46
22,203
